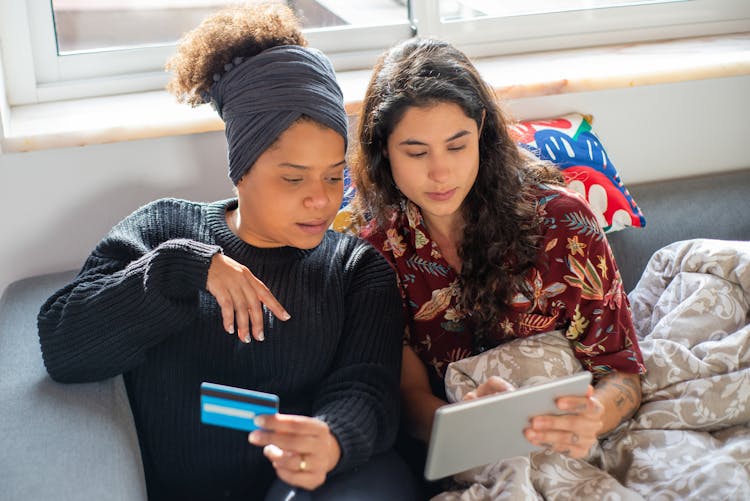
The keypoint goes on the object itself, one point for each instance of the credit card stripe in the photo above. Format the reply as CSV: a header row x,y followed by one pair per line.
x,y
228,411
237,397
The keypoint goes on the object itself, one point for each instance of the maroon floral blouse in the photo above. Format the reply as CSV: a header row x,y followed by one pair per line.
x,y
576,288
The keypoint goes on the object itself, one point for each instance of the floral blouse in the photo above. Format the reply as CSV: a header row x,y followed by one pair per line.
x,y
576,288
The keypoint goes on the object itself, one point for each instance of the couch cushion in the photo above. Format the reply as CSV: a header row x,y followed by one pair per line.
x,y
60,441
713,206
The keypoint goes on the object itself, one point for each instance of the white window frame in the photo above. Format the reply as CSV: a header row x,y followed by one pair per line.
x,y
585,27
29,51
28,48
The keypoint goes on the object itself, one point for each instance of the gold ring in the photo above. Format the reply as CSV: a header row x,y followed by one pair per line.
x,y
302,463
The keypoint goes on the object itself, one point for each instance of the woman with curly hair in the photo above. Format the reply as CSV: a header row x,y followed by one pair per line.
x,y
474,228
157,297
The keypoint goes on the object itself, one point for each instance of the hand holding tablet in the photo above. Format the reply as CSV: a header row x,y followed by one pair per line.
x,y
488,429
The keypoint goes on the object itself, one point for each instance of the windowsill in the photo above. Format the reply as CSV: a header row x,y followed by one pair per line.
x,y
155,114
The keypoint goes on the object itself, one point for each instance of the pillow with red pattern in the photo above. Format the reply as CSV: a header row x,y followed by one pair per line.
x,y
569,142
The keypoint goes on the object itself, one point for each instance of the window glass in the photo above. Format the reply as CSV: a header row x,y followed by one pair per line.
x,y
455,10
95,25
493,27
68,49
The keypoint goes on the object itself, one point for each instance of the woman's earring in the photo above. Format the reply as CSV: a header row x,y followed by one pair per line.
x,y
402,202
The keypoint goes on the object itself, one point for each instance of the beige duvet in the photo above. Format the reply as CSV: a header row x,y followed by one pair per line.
x,y
690,440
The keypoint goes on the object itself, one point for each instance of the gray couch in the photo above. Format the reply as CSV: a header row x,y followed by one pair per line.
x,y
714,206
59,442
78,441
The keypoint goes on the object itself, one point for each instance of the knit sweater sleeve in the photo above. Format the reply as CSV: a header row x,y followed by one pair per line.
x,y
137,287
360,398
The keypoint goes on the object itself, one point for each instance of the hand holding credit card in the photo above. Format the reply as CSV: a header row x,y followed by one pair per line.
x,y
235,408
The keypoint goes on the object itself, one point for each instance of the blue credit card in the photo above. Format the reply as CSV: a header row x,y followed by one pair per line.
x,y
235,408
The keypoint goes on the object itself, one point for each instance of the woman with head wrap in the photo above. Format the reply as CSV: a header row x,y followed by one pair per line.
x,y
167,298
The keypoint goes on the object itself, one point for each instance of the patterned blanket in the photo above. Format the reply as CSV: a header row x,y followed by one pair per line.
x,y
690,439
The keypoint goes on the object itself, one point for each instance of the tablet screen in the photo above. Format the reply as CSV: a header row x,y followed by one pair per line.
x,y
488,429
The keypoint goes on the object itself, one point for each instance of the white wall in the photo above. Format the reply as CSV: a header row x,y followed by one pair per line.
x,y
665,131
56,204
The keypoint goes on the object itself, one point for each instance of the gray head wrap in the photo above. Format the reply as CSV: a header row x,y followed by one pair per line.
x,y
260,97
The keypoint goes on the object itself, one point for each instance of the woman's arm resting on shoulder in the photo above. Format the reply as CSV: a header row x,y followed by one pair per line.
x,y
126,299
133,292
241,297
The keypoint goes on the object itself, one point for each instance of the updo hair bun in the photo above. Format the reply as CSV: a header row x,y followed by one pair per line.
x,y
225,39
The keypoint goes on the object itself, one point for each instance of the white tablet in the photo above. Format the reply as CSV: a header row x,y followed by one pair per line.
x,y
488,429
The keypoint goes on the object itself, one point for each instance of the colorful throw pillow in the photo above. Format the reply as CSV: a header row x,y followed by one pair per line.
x,y
345,221
570,143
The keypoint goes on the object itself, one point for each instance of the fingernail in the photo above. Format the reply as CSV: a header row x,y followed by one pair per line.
x,y
253,438
260,421
247,339
261,337
286,316
231,329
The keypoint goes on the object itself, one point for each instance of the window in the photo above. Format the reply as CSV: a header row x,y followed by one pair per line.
x,y
59,49
451,10
100,25
486,27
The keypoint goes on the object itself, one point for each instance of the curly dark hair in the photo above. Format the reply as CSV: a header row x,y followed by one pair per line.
x,y
501,227
229,33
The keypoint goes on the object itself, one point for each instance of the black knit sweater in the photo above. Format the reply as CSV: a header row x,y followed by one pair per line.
x,y
139,308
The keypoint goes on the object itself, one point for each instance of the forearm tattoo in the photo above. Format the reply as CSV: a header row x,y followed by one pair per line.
x,y
626,391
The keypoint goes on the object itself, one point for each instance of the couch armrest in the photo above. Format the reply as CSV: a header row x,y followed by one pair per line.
x,y
60,442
